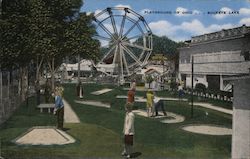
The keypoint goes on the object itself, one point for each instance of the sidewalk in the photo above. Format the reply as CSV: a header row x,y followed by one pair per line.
x,y
69,115
93,103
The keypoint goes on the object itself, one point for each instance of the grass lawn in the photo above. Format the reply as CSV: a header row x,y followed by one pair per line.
x,y
99,135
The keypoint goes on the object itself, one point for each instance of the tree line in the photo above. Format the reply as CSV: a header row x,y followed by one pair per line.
x,y
44,32
41,33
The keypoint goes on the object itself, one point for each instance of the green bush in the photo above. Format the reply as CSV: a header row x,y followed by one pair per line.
x,y
149,79
127,84
199,87
173,85
142,84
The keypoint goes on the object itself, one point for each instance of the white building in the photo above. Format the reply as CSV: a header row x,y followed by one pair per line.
x,y
216,56
69,70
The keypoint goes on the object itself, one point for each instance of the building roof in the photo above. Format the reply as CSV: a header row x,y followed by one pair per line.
x,y
85,65
151,70
219,35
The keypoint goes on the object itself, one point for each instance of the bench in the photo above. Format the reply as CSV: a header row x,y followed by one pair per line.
x,y
46,106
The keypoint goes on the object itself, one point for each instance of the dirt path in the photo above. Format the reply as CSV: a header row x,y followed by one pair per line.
x,y
69,115
93,103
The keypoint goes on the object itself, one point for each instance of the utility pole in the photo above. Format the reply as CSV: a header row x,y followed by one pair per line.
x,y
192,85
79,69
1,94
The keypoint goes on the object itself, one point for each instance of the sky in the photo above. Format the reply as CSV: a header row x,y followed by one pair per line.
x,y
180,20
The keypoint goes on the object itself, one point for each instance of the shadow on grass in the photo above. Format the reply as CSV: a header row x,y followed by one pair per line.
x,y
136,154
65,129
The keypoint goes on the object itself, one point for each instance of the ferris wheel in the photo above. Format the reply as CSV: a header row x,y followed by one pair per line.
x,y
126,41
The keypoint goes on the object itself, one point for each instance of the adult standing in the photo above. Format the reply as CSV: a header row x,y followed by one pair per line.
x,y
133,84
131,95
150,98
128,130
180,91
59,109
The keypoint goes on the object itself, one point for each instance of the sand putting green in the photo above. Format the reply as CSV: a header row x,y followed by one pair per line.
x,y
175,118
102,91
44,136
170,118
208,129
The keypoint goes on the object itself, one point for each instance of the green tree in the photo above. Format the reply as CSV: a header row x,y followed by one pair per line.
x,y
44,30
14,40
79,40
149,79
78,37
200,87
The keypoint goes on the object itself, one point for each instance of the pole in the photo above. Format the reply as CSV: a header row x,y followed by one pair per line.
x,y
0,148
78,68
1,94
162,78
162,68
1,87
192,85
8,85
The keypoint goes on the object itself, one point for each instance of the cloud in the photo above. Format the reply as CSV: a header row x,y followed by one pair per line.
x,y
181,12
195,12
223,14
216,27
245,21
186,29
121,12
184,12
124,6
194,27
101,16
244,11
180,38
162,27
165,28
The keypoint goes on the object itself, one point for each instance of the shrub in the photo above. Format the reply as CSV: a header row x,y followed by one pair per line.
x,y
173,85
127,84
200,87
140,84
149,79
